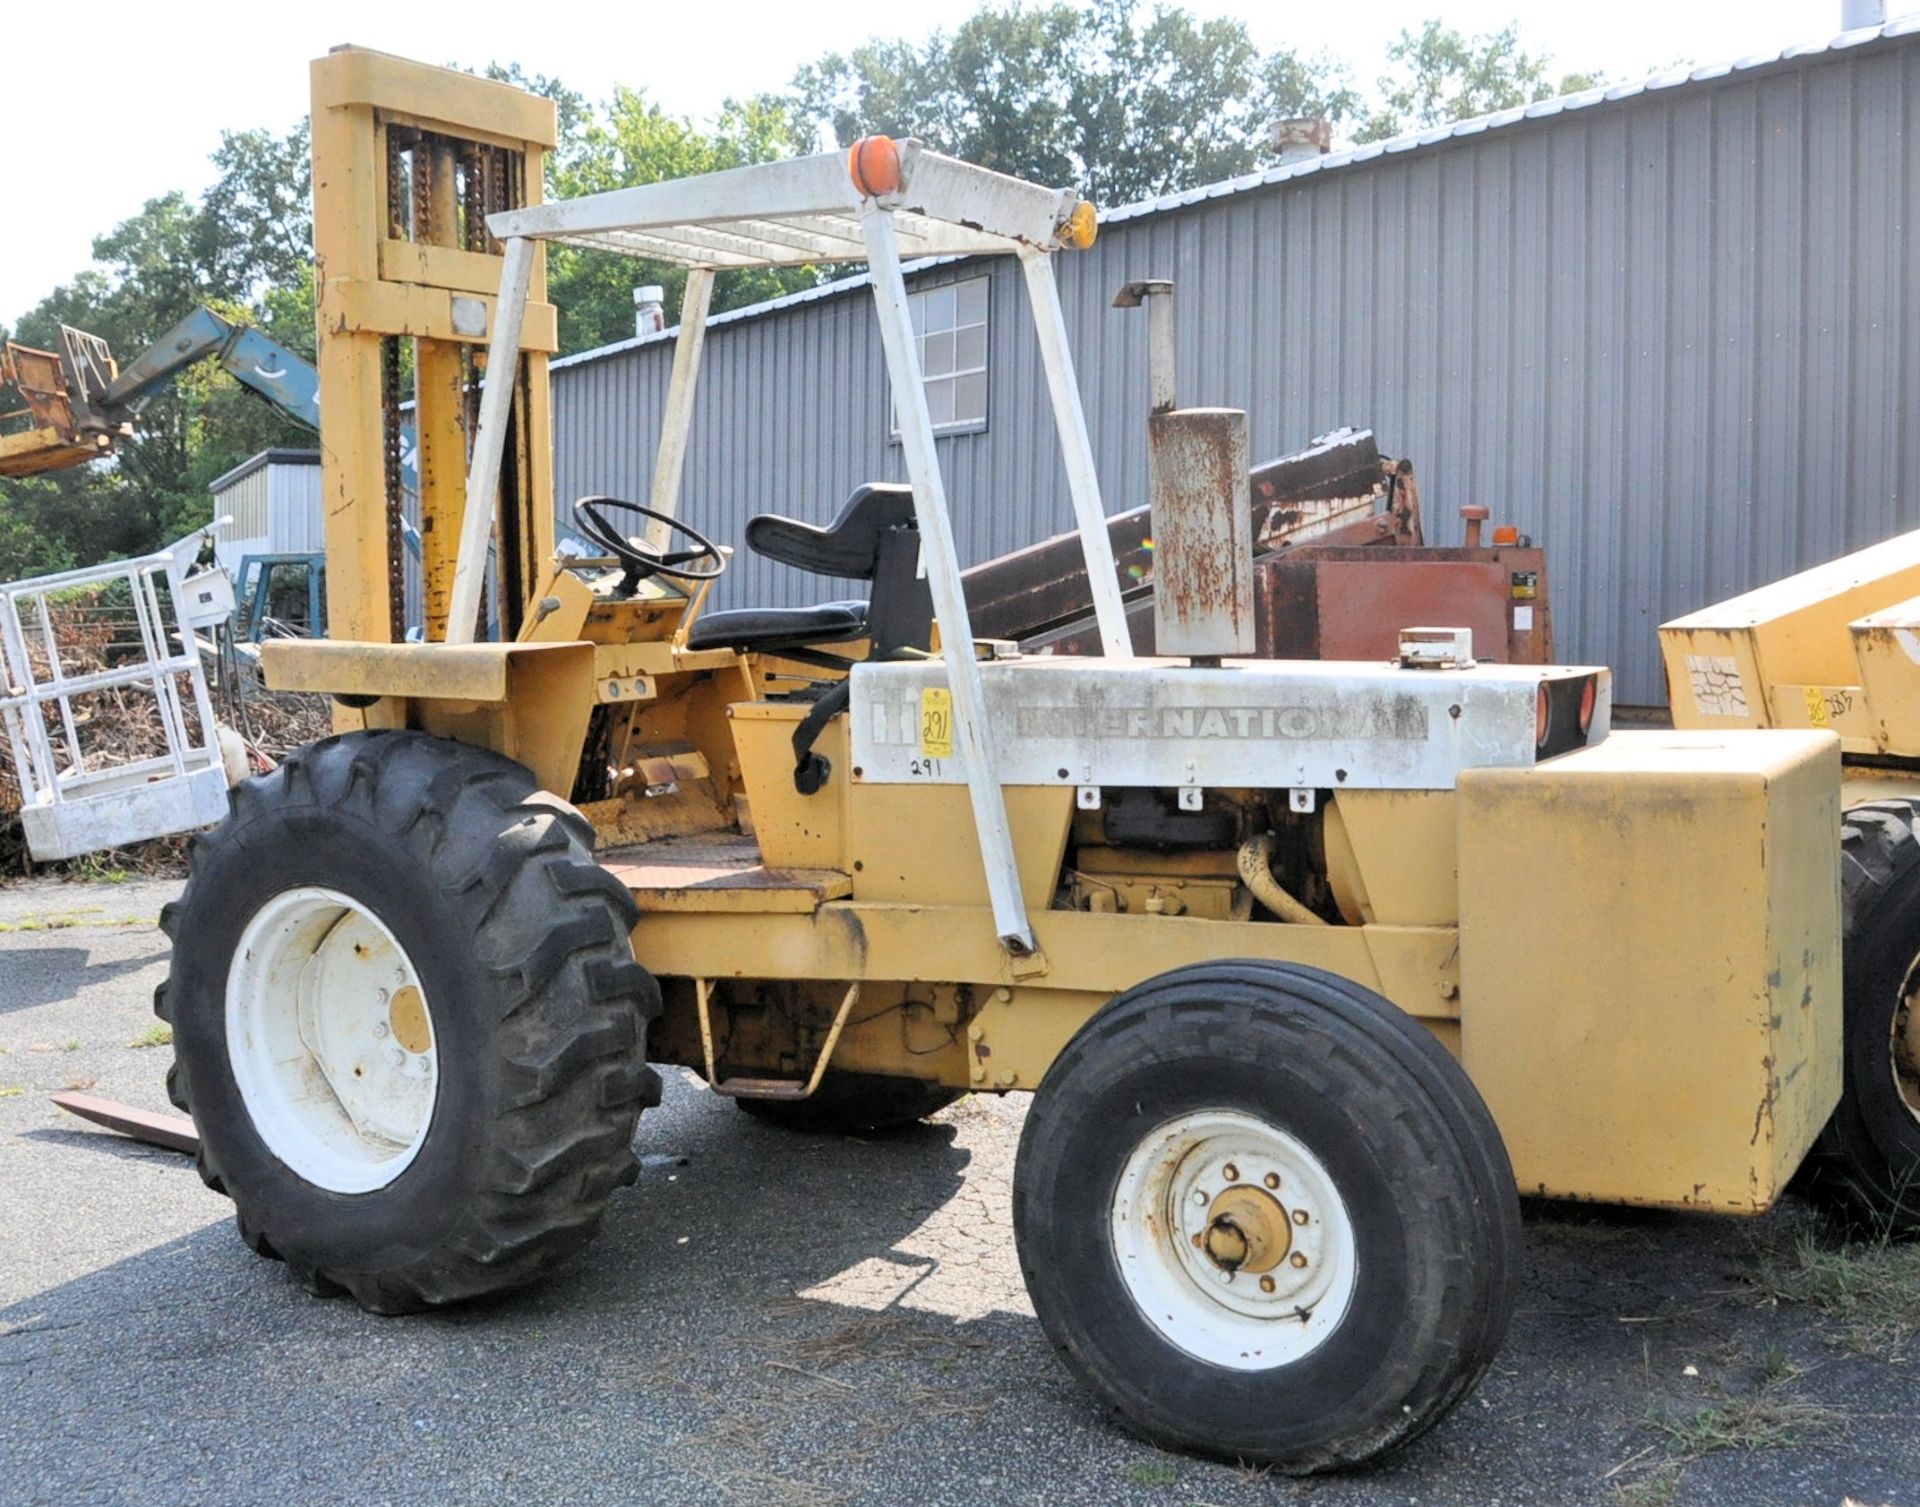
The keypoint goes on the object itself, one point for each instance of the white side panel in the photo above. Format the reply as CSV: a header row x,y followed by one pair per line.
x,y
1260,723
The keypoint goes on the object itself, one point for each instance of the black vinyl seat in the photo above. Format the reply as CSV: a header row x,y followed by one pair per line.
x,y
764,628
872,538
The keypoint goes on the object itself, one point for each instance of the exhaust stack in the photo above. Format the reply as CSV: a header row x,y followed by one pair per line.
x,y
1197,465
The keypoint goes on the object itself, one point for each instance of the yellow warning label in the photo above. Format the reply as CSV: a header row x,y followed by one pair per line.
x,y
936,723
1816,705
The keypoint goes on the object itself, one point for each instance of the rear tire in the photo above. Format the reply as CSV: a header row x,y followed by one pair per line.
x,y
1866,1165
407,1020
1313,1338
854,1104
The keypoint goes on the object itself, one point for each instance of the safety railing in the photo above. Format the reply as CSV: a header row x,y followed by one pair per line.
x,y
113,741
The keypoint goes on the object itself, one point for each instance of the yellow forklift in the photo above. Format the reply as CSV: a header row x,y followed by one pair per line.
x,y
1310,967
1837,648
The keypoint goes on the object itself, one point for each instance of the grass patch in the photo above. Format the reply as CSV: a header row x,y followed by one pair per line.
x,y
1657,1487
1152,1473
1872,1290
12,1090
1758,1421
67,920
155,1035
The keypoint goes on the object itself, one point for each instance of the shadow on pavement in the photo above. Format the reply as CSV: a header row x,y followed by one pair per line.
x,y
32,975
780,1319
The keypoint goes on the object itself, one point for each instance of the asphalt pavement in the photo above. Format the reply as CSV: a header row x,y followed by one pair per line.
x,y
777,1319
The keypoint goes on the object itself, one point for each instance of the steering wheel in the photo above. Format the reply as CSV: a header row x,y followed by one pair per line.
x,y
639,559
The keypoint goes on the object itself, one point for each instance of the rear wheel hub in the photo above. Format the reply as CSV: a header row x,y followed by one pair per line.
x,y
331,1040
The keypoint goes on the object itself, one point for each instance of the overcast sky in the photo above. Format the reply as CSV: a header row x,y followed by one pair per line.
x,y
126,100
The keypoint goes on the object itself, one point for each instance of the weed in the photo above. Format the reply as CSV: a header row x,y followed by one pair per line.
x,y
1656,1488
1872,1289
1776,1366
70,1046
93,869
67,920
1152,1473
75,1084
155,1035
1759,1420
12,1090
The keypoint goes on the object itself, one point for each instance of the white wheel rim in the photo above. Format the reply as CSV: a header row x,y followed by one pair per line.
x,y
1280,1302
331,1040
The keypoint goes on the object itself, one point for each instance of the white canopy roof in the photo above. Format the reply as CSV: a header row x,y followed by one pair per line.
x,y
806,210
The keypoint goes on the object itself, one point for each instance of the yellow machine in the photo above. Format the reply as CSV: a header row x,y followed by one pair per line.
x,y
1309,966
1837,647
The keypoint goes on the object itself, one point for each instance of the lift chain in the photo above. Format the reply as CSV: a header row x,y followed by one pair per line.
x,y
396,547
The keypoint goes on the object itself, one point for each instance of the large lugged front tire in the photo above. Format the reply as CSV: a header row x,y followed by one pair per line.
x,y
407,1020
1866,1163
1263,1215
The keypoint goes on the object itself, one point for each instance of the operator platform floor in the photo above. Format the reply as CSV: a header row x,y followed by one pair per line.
x,y
707,871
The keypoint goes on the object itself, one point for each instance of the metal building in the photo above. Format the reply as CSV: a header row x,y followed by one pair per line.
x,y
1669,328
274,501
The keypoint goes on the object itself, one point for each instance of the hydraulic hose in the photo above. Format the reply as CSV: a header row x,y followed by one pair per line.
x,y
1256,870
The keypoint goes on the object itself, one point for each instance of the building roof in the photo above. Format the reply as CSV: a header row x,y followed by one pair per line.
x,y
253,463
1411,141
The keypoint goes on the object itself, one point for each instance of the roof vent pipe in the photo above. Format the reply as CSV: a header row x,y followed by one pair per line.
x,y
649,309
1856,14
1301,140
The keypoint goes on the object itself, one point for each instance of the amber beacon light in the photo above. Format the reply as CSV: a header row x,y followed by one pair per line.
x,y
873,162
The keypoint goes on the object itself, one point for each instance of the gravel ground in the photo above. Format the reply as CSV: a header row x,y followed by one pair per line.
x,y
848,1327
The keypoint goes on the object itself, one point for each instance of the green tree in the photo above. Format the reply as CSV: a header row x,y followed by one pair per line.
x,y
261,209
1125,103
242,249
1439,75
632,141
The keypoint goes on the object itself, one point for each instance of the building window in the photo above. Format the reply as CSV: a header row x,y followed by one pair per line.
x,y
950,331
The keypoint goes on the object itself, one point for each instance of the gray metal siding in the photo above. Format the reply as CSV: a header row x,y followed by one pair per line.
x,y
1673,337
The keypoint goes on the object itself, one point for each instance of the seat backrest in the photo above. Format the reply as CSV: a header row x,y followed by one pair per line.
x,y
873,538
900,614
849,546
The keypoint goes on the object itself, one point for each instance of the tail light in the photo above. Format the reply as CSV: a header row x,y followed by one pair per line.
x,y
1563,714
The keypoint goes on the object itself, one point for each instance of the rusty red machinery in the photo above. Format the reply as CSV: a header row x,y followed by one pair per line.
x,y
1341,566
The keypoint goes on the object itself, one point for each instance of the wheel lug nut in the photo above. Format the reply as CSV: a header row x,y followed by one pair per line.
x,y
1225,1275
1299,1216
380,1028
1272,1179
399,1057
1298,1259
1230,1172
1266,1284
1200,1195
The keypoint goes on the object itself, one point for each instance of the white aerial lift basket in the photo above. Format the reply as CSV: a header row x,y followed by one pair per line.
x,y
80,791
